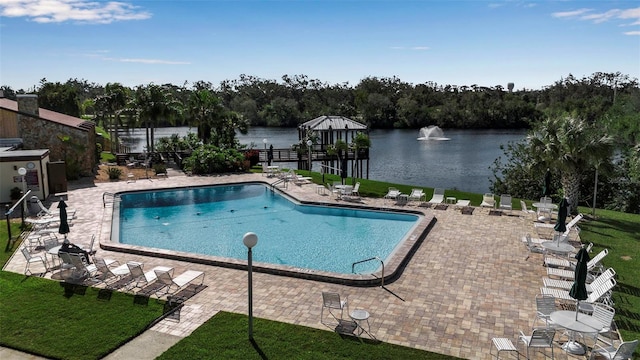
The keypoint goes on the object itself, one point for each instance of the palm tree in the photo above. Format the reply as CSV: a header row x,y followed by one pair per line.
x,y
153,103
216,125
112,104
571,146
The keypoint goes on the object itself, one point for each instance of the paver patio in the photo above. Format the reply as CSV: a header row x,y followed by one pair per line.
x,y
470,280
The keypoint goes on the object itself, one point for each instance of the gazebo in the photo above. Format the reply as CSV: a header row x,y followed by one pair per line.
x,y
325,131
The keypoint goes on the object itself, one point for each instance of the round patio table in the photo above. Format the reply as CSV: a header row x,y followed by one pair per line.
x,y
581,323
558,247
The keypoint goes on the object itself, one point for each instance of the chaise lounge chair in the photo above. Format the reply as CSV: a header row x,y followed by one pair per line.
x,y
438,196
488,200
174,284
417,195
567,284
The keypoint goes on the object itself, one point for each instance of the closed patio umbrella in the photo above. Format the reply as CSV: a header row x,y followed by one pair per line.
x,y
579,288
561,225
64,222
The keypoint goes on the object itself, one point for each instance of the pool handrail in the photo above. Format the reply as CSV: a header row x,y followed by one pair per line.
x,y
369,259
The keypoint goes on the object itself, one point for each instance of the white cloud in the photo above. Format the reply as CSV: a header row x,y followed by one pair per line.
x,y
153,61
573,13
609,15
418,48
636,33
82,11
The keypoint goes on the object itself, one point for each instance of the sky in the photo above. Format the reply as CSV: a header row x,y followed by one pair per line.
x,y
486,43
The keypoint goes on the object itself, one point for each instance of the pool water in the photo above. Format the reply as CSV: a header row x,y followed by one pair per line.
x,y
213,220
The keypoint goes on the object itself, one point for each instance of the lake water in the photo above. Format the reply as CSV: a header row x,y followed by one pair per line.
x,y
462,162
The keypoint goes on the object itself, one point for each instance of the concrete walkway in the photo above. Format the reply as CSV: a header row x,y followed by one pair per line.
x,y
472,279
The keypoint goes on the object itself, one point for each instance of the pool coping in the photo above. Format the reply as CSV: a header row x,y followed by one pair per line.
x,y
392,270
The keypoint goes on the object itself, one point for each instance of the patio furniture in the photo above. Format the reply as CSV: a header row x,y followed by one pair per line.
x,y
332,301
33,259
488,200
622,352
502,345
540,338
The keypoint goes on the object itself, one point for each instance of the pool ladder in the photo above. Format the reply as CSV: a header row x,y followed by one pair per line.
x,y
108,198
370,259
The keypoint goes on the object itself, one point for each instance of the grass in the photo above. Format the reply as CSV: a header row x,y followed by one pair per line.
x,y
224,336
620,234
63,321
41,316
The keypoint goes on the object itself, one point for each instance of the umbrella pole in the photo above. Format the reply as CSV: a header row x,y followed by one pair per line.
x,y
577,307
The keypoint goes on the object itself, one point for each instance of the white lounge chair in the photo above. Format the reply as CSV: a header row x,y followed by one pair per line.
x,y
488,200
505,202
553,261
44,211
534,247
567,284
417,195
173,285
527,212
392,194
438,196
595,296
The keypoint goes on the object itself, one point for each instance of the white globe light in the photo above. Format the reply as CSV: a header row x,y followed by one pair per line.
x,y
309,142
22,171
250,239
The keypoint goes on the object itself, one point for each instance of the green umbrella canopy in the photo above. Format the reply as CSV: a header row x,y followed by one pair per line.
x,y
64,223
579,289
561,225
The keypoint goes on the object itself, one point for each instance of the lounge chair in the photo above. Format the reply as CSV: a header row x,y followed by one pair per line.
x,y
438,196
90,250
534,247
488,200
597,295
143,280
505,202
417,195
527,212
44,211
567,284
392,194
173,284
552,261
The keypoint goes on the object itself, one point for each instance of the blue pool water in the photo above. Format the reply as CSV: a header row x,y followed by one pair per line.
x,y
213,220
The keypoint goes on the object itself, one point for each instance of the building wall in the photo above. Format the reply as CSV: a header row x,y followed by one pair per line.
x,y
9,178
76,147
8,124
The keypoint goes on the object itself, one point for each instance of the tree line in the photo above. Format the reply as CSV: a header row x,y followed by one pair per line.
x,y
578,126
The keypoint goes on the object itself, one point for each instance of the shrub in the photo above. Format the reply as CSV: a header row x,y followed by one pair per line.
x,y
209,159
114,173
160,168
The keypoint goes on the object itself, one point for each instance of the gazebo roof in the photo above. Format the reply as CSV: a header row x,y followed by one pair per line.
x,y
324,123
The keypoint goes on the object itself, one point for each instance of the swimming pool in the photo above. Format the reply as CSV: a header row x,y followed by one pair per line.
x,y
212,220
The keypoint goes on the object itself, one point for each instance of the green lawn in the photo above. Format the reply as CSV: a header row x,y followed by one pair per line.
x,y
46,318
225,336
620,234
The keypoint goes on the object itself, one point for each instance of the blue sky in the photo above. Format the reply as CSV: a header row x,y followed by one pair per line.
x,y
488,43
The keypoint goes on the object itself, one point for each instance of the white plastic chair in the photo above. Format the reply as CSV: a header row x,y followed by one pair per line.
x,y
505,202
438,196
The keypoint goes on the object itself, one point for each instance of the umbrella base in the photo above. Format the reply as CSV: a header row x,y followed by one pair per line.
x,y
574,347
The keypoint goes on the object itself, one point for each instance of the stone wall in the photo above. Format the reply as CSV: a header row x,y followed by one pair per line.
x,y
75,146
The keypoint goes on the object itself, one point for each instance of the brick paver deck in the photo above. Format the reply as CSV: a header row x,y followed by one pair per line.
x,y
469,281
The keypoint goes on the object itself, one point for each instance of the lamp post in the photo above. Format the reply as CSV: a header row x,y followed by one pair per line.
x,y
309,143
22,172
250,240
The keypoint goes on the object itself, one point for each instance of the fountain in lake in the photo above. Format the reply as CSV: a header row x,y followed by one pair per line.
x,y
432,132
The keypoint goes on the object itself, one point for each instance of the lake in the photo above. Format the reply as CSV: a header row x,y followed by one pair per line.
x,y
462,162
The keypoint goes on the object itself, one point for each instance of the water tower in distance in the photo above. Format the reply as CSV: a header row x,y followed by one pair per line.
x,y
510,86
